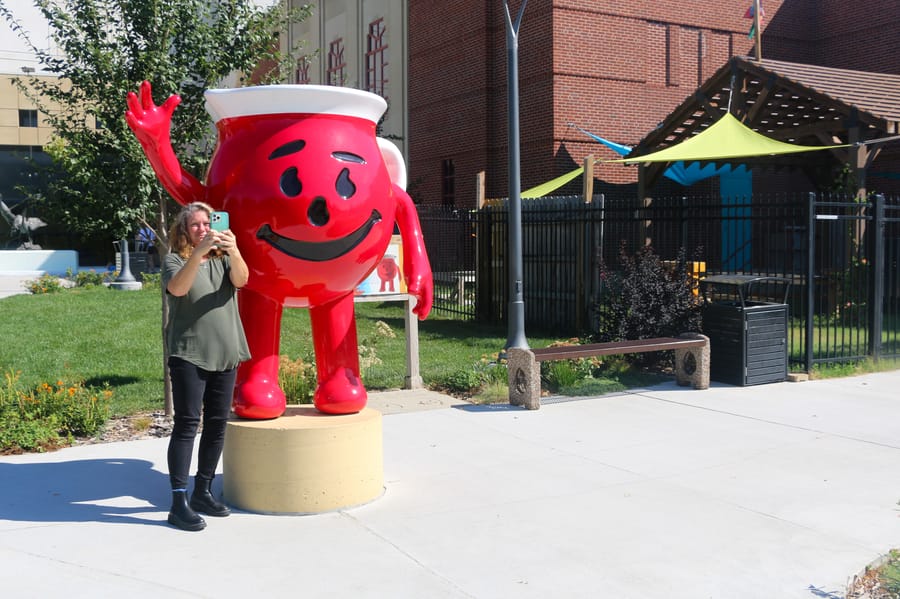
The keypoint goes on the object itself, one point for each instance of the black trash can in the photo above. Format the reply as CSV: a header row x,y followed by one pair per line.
x,y
746,320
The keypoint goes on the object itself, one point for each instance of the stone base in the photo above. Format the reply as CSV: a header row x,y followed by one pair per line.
x,y
524,379
305,462
692,364
126,285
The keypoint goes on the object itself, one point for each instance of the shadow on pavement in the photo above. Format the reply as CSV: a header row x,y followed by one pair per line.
x,y
83,491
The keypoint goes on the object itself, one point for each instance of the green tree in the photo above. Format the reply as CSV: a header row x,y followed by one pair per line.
x,y
106,49
106,187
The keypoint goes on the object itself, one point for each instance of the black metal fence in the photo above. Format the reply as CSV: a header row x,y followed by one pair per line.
x,y
845,278
450,239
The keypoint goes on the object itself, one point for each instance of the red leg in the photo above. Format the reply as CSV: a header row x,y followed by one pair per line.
x,y
340,389
257,394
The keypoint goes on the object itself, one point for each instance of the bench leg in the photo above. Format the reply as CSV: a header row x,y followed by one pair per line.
x,y
524,379
692,365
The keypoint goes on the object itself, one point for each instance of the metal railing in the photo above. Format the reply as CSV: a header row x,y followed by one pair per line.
x,y
845,292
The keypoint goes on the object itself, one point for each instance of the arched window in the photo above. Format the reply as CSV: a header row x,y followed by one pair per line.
x,y
336,62
377,58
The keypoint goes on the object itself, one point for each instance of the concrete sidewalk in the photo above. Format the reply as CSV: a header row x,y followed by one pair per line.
x,y
776,491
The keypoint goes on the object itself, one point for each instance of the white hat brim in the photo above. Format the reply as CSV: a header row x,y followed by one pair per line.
x,y
293,99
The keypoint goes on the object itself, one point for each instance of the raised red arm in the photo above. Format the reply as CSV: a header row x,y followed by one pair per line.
x,y
151,125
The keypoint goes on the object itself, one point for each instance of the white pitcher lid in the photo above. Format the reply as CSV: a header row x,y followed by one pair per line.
x,y
293,99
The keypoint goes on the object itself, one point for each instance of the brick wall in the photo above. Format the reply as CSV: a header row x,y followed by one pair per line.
x,y
615,68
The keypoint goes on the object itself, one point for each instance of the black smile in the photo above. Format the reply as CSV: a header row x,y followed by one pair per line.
x,y
320,251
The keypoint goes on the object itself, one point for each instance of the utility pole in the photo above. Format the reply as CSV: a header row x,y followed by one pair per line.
x,y
516,312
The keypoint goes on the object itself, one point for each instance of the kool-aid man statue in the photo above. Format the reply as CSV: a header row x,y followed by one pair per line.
x,y
313,197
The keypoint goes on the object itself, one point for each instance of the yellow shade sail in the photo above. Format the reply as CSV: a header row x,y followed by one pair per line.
x,y
545,188
725,139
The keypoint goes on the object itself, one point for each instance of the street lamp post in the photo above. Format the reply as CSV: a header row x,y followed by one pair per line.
x,y
516,311
125,281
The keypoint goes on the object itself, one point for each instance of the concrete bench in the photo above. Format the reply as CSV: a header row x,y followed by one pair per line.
x,y
691,362
54,262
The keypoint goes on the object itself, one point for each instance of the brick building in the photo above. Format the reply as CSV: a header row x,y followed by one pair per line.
x,y
616,69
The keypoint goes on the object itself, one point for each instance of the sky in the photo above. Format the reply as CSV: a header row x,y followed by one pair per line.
x,y
15,54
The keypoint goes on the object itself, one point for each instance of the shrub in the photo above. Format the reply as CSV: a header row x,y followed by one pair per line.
x,y
646,298
49,416
297,379
150,280
492,369
487,371
373,370
87,278
46,283
459,382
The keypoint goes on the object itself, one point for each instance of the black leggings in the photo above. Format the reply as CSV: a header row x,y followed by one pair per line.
x,y
194,389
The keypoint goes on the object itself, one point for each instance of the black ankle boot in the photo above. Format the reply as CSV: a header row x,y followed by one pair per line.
x,y
182,516
203,501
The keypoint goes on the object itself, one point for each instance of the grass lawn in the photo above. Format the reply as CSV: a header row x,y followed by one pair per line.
x,y
99,336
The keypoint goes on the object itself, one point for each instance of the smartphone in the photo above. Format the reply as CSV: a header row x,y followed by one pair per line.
x,y
218,221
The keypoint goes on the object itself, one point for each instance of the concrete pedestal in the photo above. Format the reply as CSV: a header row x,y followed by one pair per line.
x,y
304,462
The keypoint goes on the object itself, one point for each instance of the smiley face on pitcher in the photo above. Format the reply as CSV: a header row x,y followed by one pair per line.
x,y
316,207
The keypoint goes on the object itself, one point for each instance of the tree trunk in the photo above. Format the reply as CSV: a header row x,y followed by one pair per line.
x,y
162,241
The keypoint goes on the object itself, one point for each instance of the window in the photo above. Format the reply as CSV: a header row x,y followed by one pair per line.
x,y
28,118
301,75
448,185
336,63
376,57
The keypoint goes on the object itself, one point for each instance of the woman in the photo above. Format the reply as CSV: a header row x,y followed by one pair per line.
x,y
206,342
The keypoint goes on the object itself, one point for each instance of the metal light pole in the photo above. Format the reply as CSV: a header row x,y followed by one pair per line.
x,y
516,311
125,281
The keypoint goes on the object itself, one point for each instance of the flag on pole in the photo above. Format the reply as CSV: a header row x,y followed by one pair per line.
x,y
751,14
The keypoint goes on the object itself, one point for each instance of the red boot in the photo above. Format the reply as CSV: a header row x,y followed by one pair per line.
x,y
342,393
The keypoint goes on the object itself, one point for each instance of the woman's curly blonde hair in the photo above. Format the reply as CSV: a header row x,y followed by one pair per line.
x,y
179,233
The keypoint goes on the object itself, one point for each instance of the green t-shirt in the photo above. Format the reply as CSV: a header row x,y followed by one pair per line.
x,y
204,326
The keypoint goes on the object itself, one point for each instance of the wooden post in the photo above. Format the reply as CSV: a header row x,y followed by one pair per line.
x,y
588,183
479,190
643,225
582,261
484,260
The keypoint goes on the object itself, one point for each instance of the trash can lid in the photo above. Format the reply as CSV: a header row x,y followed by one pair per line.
x,y
742,279
742,283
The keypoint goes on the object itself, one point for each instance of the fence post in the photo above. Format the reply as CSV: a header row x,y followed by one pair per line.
x,y
810,277
480,198
876,267
588,179
582,261
484,265
596,264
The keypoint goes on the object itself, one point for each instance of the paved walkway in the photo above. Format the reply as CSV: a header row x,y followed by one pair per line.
x,y
776,491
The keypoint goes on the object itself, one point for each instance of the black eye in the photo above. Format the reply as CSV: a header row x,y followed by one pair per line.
x,y
344,186
290,183
348,157
287,149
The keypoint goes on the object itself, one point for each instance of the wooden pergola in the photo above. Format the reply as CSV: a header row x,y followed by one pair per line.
x,y
791,102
